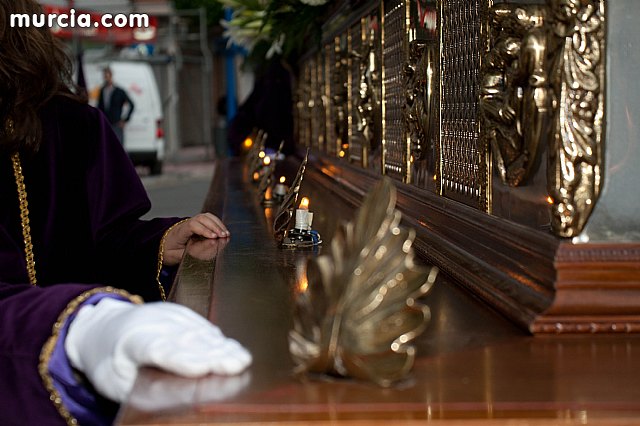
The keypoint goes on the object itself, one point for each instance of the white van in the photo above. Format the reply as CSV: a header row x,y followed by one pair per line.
x,y
143,134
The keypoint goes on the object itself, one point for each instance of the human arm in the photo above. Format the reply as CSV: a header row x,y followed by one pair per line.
x,y
33,373
127,100
103,333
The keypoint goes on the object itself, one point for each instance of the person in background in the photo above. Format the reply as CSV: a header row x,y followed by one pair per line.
x,y
112,101
81,275
269,108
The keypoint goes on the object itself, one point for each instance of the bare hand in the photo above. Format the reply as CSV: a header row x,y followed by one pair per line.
x,y
205,225
205,249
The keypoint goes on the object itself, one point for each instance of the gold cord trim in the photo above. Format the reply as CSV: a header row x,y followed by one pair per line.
x,y
50,344
161,258
24,218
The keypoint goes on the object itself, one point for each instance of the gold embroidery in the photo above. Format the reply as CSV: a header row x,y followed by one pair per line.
x,y
50,344
24,218
161,258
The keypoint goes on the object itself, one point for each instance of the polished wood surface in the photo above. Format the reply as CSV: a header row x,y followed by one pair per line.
x,y
473,364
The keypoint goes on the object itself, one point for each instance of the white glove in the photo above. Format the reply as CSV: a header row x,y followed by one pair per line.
x,y
110,340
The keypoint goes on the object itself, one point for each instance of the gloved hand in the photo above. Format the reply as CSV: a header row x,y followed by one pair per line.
x,y
110,340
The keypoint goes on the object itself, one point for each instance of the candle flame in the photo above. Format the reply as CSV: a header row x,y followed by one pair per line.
x,y
303,284
256,176
304,203
267,161
248,143
549,199
262,154
282,179
341,154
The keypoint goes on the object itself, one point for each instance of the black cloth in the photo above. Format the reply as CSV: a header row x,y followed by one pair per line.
x,y
119,99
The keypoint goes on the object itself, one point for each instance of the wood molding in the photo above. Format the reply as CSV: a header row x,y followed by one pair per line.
x,y
542,283
597,290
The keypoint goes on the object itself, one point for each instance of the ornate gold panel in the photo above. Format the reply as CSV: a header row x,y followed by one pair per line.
x,y
516,96
340,93
366,124
302,106
576,154
396,153
542,85
330,126
422,112
313,102
463,174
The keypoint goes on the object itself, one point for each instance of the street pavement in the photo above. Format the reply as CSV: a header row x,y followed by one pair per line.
x,y
183,185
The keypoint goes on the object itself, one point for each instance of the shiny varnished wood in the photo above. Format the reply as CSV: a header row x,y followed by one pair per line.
x,y
473,364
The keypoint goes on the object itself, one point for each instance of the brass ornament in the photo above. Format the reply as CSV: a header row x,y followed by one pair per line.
x,y
367,103
340,93
359,312
418,88
516,97
576,152
542,83
463,173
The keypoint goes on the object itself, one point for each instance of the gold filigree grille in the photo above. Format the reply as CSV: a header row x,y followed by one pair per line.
x,y
464,175
395,154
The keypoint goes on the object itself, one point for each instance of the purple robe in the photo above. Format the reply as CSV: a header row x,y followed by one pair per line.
x,y
28,315
85,203
85,200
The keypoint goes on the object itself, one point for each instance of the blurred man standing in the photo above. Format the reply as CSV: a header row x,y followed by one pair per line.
x,y
112,101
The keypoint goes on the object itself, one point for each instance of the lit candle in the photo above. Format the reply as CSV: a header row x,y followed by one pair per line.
x,y
266,161
248,143
280,190
302,215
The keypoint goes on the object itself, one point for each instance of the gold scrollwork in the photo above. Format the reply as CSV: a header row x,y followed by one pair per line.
x,y
418,89
575,160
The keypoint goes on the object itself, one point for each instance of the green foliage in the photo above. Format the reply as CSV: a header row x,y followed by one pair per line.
x,y
275,28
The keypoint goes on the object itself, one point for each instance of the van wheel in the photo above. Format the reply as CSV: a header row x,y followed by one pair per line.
x,y
155,168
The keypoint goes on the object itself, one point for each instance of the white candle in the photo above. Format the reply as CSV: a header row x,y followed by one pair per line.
x,y
302,219
302,215
280,190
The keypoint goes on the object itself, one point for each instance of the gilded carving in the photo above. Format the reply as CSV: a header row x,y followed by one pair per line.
x,y
576,152
542,84
418,89
340,93
368,102
516,97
